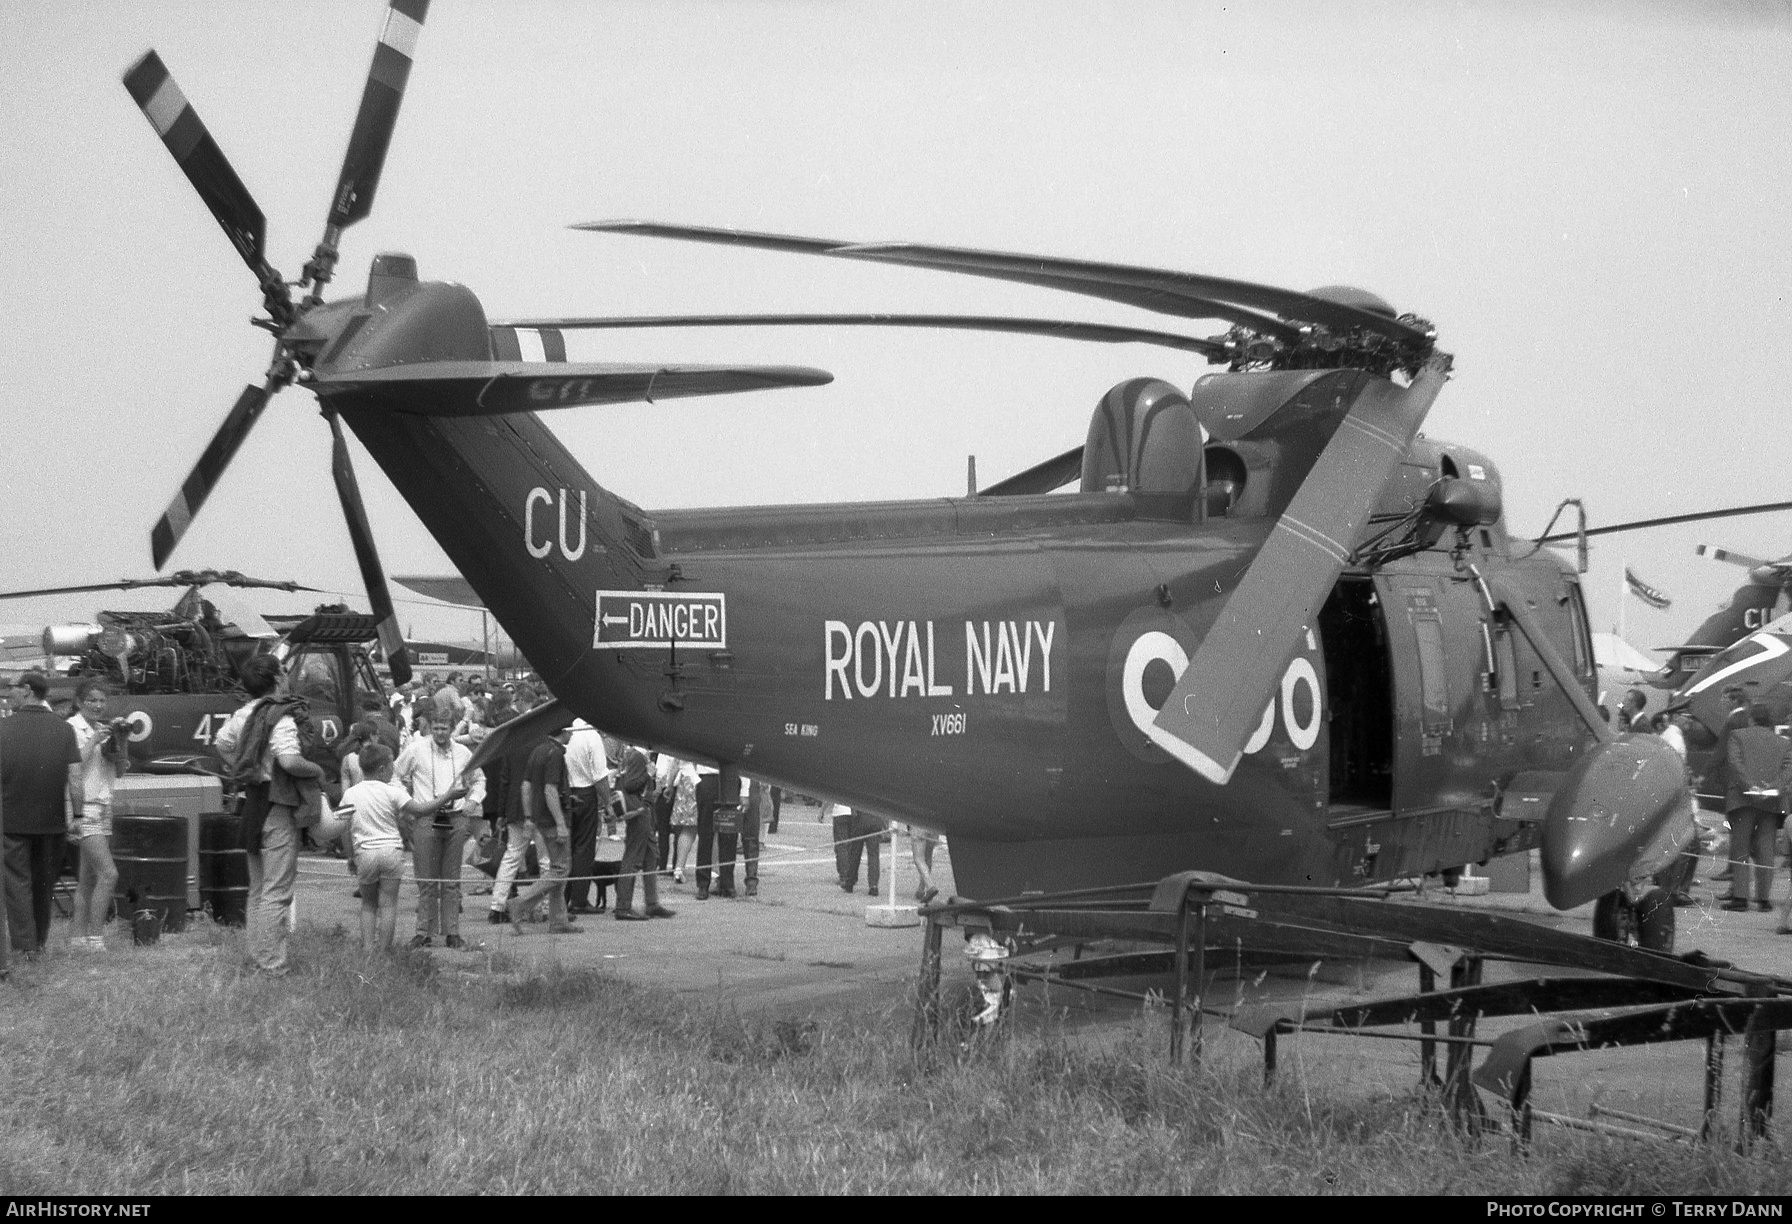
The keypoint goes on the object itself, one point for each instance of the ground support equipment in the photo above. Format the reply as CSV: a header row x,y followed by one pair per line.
x,y
1622,995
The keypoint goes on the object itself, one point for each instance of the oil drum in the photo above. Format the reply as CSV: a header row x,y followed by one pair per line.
x,y
151,855
223,868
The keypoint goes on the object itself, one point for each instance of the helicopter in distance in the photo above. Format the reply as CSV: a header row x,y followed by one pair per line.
x,y
174,674
1275,633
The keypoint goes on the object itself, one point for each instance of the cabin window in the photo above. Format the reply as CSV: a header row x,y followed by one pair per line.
x,y
1506,660
1433,679
313,677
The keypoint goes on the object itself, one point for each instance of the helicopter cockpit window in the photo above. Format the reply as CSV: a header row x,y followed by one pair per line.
x,y
313,677
1577,614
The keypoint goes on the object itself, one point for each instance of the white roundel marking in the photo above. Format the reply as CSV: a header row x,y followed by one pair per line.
x,y
1156,645
141,725
1149,648
332,730
1301,672
1260,736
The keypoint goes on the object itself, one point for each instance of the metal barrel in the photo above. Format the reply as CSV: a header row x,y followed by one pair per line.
x,y
151,855
223,868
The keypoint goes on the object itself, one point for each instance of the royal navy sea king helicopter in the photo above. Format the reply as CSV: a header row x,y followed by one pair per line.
x,y
1275,634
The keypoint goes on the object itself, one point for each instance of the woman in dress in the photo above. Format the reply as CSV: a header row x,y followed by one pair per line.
x,y
683,777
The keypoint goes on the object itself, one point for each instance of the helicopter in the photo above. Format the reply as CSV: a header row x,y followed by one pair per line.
x,y
1275,632
174,674
1756,603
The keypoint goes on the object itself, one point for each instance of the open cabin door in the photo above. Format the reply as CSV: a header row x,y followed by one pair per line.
x,y
1360,687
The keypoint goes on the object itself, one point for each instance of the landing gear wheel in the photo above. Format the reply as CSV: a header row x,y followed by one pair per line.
x,y
1614,919
1647,924
1655,921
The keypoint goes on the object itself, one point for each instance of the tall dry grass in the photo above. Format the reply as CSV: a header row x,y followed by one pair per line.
x,y
176,1070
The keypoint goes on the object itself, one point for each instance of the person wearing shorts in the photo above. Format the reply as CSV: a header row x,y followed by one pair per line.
x,y
101,763
373,809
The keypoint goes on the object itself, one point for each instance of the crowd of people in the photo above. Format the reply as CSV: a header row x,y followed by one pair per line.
x,y
1752,771
581,812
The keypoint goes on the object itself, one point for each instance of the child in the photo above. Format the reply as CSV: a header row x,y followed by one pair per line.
x,y
373,808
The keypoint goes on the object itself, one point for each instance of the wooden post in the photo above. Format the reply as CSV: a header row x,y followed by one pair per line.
x,y
1520,1116
1427,1049
1465,1106
1269,1053
1714,1083
1757,1072
1198,950
1179,994
927,989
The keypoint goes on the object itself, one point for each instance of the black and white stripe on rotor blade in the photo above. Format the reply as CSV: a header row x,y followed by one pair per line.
x,y
374,121
199,158
206,473
497,388
1218,700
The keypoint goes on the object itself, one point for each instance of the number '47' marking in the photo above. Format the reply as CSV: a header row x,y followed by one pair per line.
x,y
207,730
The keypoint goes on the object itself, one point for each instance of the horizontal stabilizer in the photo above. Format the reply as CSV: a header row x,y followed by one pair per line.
x,y
449,588
496,388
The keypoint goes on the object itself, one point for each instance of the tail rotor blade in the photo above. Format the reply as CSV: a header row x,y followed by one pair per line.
x,y
1218,701
199,157
373,577
386,78
205,474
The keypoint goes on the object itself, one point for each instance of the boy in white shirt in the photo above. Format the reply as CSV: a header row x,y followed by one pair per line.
x,y
372,810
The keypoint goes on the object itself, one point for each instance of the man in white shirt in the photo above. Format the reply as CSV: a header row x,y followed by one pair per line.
x,y
428,768
587,784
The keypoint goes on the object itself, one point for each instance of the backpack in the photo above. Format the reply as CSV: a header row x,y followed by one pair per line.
x,y
632,778
259,726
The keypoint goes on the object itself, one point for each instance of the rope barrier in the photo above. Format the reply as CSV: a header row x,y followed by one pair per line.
x,y
714,865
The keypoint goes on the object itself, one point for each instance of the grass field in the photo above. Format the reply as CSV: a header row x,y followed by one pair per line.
x,y
175,1070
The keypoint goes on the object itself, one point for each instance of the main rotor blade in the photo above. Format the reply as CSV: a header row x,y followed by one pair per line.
x,y
721,237
1213,350
205,474
199,157
1054,473
180,578
380,100
1158,298
1639,524
495,388
373,577
1071,273
1219,699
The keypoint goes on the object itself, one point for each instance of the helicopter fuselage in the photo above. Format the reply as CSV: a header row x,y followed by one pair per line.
x,y
988,666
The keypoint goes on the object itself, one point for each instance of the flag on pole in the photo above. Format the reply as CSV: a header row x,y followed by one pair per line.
x,y
1643,591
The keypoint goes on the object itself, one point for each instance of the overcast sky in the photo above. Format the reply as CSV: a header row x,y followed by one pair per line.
x,y
1590,203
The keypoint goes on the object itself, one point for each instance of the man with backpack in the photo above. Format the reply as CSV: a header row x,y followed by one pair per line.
x,y
264,745
633,787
